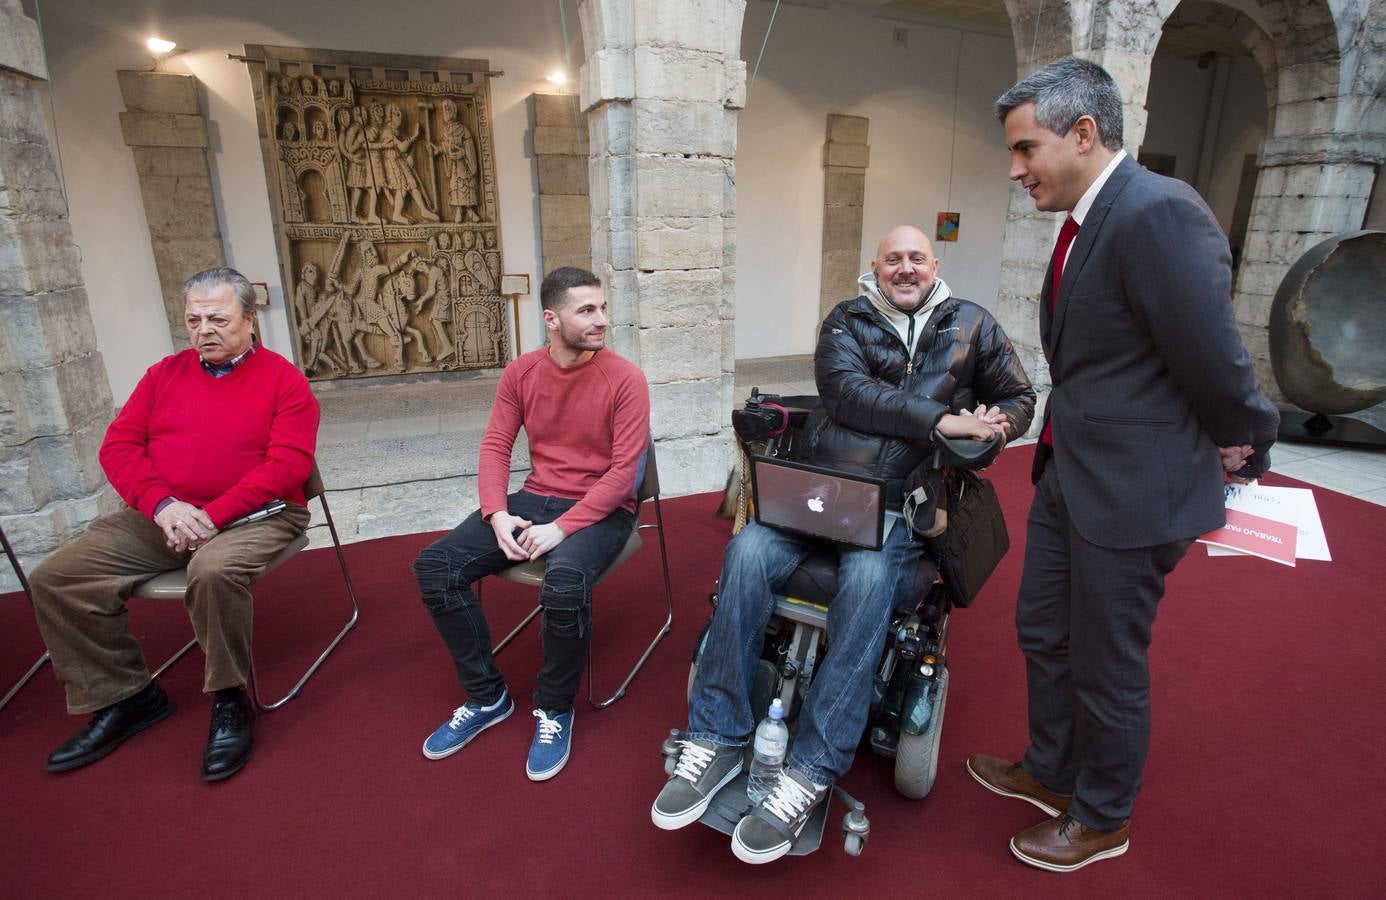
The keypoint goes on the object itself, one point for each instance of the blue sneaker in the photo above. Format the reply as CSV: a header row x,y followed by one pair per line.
x,y
553,738
468,720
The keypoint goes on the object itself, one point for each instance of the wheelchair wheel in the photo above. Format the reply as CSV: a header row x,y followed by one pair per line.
x,y
916,756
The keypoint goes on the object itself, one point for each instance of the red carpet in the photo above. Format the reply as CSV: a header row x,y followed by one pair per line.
x,y
1264,776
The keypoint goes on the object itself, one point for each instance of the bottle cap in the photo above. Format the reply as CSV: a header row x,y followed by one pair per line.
x,y
776,709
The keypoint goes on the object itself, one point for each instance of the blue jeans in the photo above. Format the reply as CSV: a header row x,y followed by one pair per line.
x,y
447,568
833,715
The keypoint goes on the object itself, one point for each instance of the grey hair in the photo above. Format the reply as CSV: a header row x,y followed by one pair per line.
x,y
1063,92
210,279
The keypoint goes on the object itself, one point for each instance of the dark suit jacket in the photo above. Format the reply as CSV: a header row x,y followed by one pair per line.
x,y
1149,372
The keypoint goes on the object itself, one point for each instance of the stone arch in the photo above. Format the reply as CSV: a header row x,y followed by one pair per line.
x,y
312,187
1319,160
313,113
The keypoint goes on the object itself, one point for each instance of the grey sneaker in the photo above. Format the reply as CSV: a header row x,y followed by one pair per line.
x,y
770,829
703,769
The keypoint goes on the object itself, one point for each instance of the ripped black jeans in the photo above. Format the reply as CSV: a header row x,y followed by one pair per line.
x,y
447,568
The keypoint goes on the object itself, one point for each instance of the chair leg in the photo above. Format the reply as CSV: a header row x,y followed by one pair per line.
x,y
659,636
514,632
322,657
33,670
24,585
168,663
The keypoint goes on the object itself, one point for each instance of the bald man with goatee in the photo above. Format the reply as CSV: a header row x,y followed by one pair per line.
x,y
893,365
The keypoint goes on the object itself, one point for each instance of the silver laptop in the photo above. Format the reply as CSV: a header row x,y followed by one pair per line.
x,y
822,503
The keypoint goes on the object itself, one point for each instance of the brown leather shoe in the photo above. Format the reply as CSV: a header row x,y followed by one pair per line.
x,y
1065,844
1008,779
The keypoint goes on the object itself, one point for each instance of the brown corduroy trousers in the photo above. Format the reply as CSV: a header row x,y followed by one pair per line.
x,y
80,593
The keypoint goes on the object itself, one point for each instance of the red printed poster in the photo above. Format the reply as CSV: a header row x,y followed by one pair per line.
x,y
1256,535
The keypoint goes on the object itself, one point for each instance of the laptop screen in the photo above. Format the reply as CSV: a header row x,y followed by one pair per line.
x,y
823,503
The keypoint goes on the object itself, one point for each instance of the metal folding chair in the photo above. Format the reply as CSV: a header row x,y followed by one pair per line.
x,y
23,583
532,573
173,585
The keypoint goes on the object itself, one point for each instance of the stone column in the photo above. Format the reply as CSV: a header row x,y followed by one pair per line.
x,y
560,158
662,85
164,128
845,157
55,398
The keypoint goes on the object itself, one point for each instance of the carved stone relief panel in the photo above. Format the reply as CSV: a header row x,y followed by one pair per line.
x,y
383,185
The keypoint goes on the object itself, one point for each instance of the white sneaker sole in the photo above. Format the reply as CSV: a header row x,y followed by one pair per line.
x,y
1055,867
996,790
432,754
759,857
694,812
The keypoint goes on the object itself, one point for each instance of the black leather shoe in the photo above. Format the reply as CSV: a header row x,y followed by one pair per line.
x,y
109,727
231,737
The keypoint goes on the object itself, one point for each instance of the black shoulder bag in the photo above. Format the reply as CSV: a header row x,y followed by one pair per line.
x,y
975,539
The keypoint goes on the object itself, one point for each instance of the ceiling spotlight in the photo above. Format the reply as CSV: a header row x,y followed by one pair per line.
x,y
159,45
558,76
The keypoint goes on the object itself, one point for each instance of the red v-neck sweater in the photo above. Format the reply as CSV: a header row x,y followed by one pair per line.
x,y
229,445
587,428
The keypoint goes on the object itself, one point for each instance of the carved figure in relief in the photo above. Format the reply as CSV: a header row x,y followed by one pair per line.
x,y
309,315
346,332
309,88
476,265
439,291
400,179
289,133
377,297
319,131
373,127
351,144
397,293
334,88
459,164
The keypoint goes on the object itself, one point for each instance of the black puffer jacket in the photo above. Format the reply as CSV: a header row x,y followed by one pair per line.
x,y
879,408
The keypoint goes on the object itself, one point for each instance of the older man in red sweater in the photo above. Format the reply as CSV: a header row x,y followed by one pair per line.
x,y
586,413
209,435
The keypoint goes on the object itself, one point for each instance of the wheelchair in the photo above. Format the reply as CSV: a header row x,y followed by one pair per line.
x,y
910,687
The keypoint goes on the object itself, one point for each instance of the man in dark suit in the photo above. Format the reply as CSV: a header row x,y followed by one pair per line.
x,y
1153,400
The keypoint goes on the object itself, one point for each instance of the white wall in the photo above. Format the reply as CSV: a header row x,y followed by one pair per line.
x,y
88,41
841,60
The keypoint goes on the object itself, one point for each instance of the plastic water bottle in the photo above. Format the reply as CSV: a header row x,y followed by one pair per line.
x,y
772,740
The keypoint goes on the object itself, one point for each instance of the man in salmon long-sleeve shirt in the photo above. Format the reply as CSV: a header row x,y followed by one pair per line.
x,y
586,413
208,436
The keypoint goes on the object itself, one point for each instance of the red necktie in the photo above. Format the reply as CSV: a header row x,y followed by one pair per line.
x,y
1066,236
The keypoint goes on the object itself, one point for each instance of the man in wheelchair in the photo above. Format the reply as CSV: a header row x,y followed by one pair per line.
x,y
890,366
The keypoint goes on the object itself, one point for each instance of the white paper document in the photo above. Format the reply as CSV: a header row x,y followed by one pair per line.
x,y
1283,504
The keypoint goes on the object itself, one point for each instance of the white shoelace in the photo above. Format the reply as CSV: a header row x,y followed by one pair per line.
x,y
693,761
549,729
788,799
460,715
